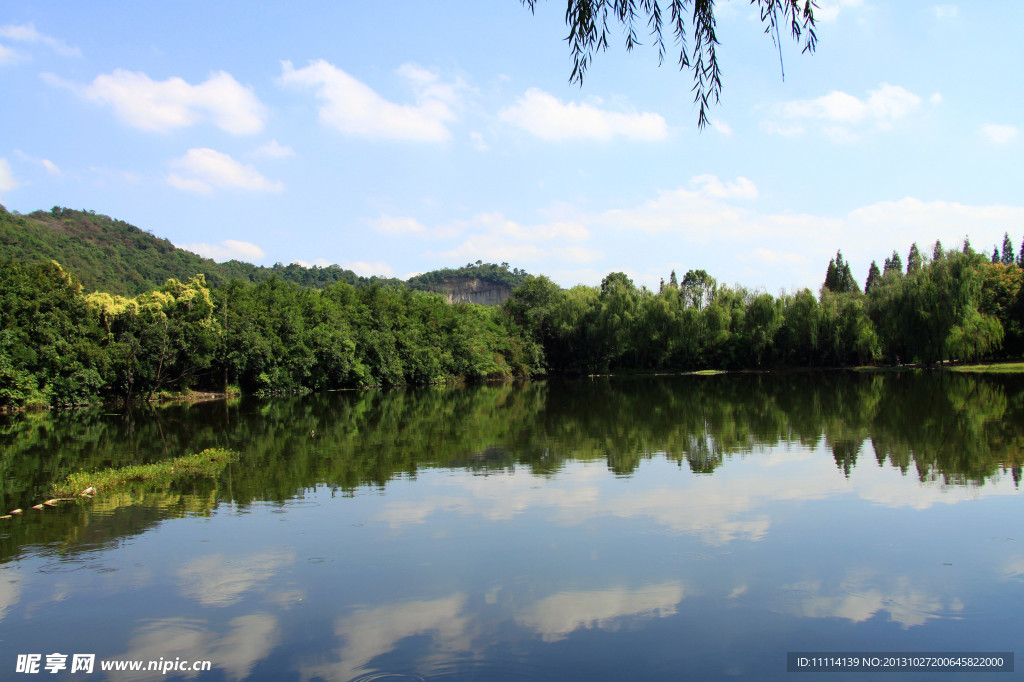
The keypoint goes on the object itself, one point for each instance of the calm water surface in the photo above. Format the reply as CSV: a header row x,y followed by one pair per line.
x,y
640,528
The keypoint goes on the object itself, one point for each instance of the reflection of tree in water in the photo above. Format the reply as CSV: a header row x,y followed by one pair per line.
x,y
957,427
950,426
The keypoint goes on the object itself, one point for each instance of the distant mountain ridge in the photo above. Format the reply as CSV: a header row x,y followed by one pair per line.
x,y
105,254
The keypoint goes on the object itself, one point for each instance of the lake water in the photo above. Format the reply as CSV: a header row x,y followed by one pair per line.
x,y
627,528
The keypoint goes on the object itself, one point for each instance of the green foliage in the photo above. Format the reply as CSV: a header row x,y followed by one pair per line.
x,y
839,278
914,259
50,349
1008,258
873,276
488,272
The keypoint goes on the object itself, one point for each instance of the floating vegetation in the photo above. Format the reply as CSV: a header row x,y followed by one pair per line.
x,y
210,462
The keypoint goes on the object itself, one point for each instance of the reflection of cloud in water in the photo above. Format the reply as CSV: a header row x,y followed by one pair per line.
x,y
715,507
500,497
889,488
859,600
720,508
10,590
560,614
712,513
249,640
219,580
1013,569
372,632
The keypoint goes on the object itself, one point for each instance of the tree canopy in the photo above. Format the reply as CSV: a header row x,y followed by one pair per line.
x,y
588,23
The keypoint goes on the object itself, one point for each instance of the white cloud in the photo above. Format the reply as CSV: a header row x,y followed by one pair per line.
x,y
479,143
7,179
710,186
702,213
908,216
229,249
273,150
27,33
205,169
842,116
366,269
722,127
999,134
50,166
352,107
388,224
498,224
945,11
545,116
493,237
828,11
8,55
771,256
161,106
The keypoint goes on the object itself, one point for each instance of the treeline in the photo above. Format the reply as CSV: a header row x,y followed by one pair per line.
x,y
957,305
61,346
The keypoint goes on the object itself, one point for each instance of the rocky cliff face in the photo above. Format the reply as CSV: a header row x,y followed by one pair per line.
x,y
475,291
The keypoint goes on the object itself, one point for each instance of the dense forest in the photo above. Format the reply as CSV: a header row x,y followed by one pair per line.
x,y
957,305
65,341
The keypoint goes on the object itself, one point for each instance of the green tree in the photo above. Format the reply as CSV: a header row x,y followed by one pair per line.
x,y
799,335
698,288
839,278
1008,258
893,264
873,276
162,339
589,33
50,349
914,260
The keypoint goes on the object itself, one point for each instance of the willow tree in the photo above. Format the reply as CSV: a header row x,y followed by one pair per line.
x,y
589,24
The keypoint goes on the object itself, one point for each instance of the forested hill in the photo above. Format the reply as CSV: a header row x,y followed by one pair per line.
x,y
111,255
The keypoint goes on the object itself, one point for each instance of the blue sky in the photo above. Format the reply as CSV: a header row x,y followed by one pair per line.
x,y
394,138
